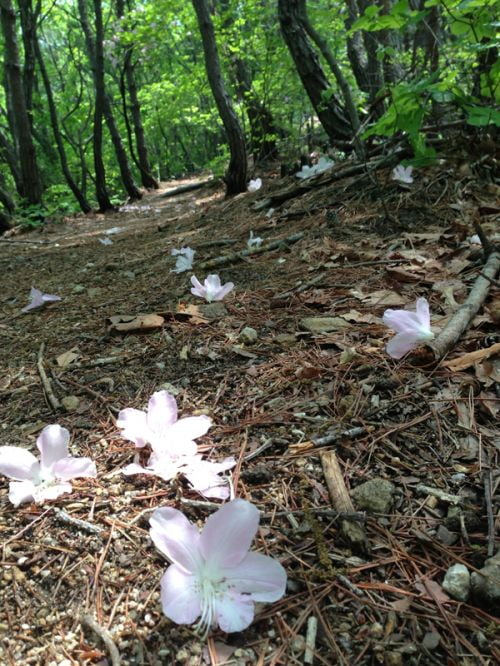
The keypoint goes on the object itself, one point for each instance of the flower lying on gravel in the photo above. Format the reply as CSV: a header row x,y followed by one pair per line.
x,y
48,478
403,174
411,328
254,185
254,241
211,289
37,299
184,261
173,449
161,428
213,575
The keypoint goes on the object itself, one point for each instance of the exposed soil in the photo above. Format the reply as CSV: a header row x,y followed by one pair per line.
x,y
368,244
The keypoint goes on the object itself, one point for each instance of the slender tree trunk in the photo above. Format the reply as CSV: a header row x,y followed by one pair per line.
x,y
8,153
236,175
362,52
31,184
339,77
28,18
328,109
84,204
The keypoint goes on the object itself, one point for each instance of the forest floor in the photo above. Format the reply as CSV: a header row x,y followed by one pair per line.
x,y
423,435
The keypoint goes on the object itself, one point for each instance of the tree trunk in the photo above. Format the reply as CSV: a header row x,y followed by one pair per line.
x,y
8,153
328,109
362,53
100,171
339,77
236,175
28,29
142,160
84,204
30,183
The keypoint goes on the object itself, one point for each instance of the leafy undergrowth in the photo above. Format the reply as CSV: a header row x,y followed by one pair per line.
x,y
430,430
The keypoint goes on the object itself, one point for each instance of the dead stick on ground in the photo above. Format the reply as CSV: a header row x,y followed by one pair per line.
x,y
89,622
238,256
352,530
468,310
77,522
54,402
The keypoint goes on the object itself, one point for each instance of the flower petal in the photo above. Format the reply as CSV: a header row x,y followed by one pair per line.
x,y
21,491
162,411
258,575
224,291
423,313
203,475
134,468
189,428
401,344
72,468
52,444
176,538
163,466
234,611
228,533
18,463
179,599
134,426
50,491
401,321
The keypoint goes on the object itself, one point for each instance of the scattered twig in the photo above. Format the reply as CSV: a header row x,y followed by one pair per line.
x,y
77,522
330,438
311,632
353,531
238,256
89,622
422,489
468,310
187,188
47,386
487,482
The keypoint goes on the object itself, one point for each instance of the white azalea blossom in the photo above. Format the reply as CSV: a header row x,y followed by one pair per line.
x,y
403,174
184,261
211,289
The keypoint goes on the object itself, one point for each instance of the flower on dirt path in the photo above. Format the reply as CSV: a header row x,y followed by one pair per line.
x,y
254,185
48,478
173,449
254,241
403,174
211,289
213,576
184,261
37,299
412,328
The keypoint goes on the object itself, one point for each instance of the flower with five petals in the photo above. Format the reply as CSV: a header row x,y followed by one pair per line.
x,y
211,289
412,328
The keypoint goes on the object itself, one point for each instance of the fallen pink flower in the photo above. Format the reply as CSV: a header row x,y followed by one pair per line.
x,y
211,289
38,299
47,479
184,261
403,174
254,185
161,428
213,576
412,328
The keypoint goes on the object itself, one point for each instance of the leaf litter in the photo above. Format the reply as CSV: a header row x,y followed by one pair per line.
x,y
291,410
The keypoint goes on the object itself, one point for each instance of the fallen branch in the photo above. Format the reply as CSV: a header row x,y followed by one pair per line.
x,y
77,522
187,188
47,386
89,622
238,256
352,530
468,310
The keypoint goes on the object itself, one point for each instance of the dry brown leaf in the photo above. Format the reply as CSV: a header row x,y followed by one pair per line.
x,y
402,275
192,312
380,297
433,590
66,358
308,372
489,402
128,323
465,361
363,317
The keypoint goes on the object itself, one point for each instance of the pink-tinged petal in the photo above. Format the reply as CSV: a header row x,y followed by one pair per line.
x,y
176,538
134,468
198,289
228,533
20,492
18,463
134,426
258,575
423,313
190,428
72,468
162,411
163,466
212,282
36,300
401,344
45,492
203,475
401,321
52,444
173,448
224,291
234,612
179,599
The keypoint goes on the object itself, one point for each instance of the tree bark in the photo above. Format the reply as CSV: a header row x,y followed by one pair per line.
x,y
362,53
142,159
30,182
328,109
28,18
236,175
84,204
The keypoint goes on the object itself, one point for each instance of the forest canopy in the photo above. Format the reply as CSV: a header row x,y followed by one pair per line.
x,y
102,99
